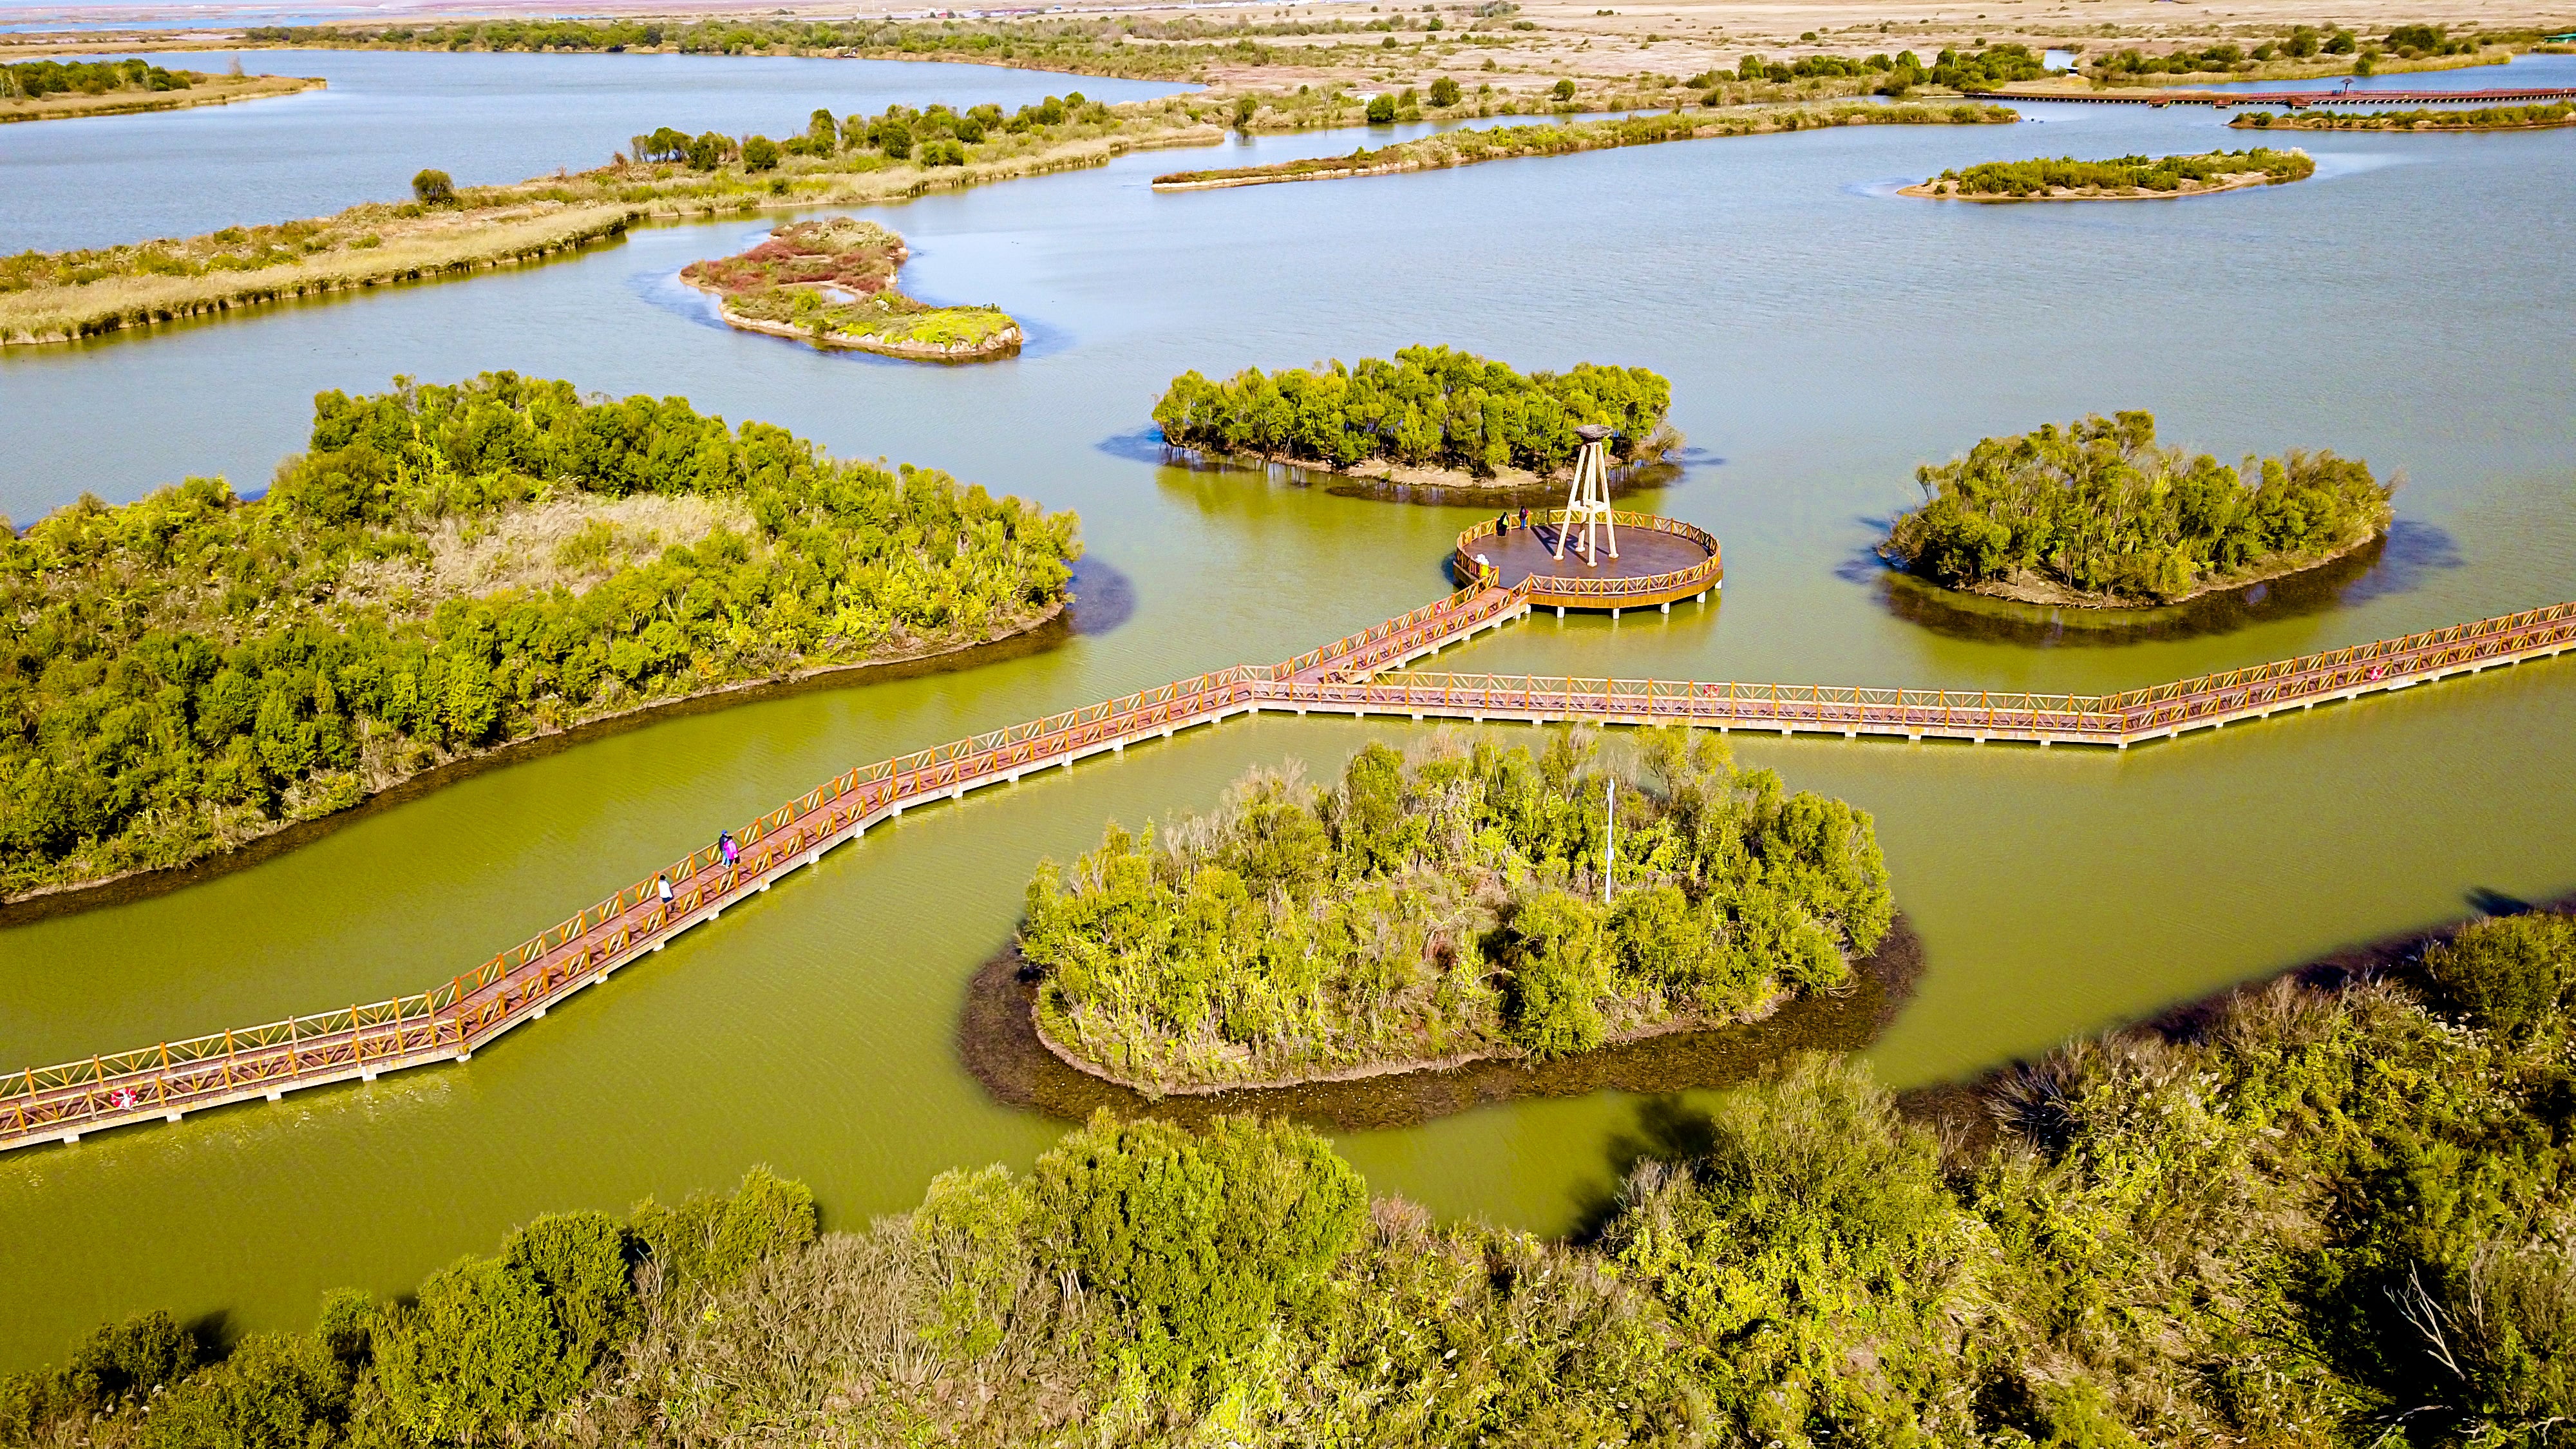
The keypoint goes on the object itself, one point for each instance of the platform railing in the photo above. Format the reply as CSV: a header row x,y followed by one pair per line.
x,y
1691,579
449,1021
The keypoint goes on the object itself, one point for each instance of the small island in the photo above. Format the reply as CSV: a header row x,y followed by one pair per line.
x,y
2483,118
2123,178
48,90
1469,146
2098,515
1448,907
1434,417
831,283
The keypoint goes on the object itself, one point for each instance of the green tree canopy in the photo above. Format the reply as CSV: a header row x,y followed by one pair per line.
x,y
2099,507
1430,406
1449,904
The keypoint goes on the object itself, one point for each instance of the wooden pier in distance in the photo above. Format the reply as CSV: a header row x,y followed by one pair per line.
x,y
1361,675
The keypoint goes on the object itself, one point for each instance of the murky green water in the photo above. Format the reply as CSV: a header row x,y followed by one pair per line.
x,y
1823,337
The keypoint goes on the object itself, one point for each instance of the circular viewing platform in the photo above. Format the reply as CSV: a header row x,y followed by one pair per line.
x,y
1661,561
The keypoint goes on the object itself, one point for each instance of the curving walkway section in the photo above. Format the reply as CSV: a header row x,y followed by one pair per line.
x,y
450,1021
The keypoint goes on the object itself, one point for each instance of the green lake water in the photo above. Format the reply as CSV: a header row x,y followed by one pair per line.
x,y
1824,337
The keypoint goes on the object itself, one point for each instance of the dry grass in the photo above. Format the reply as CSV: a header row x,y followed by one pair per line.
x,y
569,543
443,245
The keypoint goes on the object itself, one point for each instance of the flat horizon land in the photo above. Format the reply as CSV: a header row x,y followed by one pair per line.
x,y
1675,37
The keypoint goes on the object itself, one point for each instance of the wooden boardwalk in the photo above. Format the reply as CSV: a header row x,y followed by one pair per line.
x,y
1359,675
2293,100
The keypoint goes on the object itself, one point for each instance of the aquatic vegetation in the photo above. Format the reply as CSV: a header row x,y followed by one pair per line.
x,y
2483,118
32,79
446,569
2330,1216
40,90
1449,906
1505,143
2097,512
833,281
1432,406
2067,177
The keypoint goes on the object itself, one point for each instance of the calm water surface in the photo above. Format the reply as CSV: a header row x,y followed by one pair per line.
x,y
1824,337
483,119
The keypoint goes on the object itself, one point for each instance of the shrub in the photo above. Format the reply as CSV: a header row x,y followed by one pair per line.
x,y
433,188
1563,90
1448,905
1431,405
480,1351
2099,507
1381,110
1444,92
274,1391
2508,974
759,153
1200,1240
707,1242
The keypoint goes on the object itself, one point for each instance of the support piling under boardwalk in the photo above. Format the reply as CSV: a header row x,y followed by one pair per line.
x,y
1360,675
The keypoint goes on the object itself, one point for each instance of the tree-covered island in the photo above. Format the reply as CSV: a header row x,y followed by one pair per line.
x,y
1445,908
2122,178
46,90
831,282
1470,146
448,569
1434,415
2099,515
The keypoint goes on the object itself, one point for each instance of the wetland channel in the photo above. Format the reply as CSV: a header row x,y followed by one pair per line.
x,y
1836,338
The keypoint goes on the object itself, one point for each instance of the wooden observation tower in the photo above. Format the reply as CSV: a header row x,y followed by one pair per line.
x,y
1588,501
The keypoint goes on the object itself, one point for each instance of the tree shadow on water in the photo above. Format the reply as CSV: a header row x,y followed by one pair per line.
x,y
997,1037
1103,596
2397,563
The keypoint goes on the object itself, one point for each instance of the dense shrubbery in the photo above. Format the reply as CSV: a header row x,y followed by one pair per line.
x,y
1468,146
2329,1218
2099,508
1432,406
447,568
485,1347
1984,70
1449,905
895,133
34,78
2483,118
2121,173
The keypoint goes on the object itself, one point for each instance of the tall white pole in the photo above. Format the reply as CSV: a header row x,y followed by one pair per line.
x,y
1610,837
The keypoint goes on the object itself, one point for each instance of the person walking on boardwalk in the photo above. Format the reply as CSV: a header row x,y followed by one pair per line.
x,y
662,888
1502,525
730,853
1524,518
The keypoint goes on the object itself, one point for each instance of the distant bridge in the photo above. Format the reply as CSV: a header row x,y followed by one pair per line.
x,y
2291,100
453,1019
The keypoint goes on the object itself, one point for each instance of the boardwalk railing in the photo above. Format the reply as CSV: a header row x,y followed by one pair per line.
x,y
2294,99
452,1019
